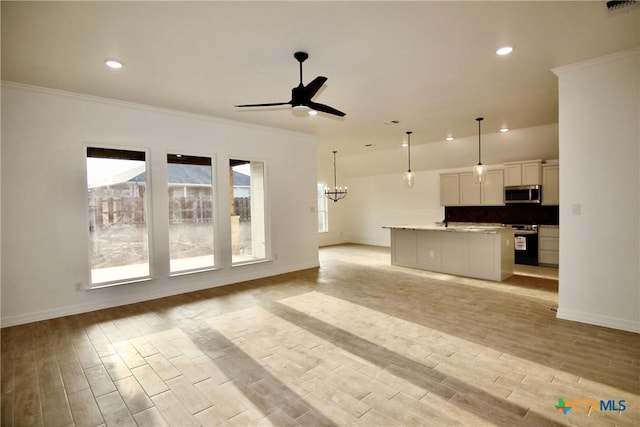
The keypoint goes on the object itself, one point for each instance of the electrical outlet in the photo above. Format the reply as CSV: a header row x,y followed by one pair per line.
x,y
576,210
432,254
78,286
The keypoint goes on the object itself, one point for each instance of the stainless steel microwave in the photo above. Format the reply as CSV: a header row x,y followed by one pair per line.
x,y
522,194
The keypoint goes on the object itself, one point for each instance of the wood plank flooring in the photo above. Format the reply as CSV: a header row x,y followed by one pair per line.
x,y
355,342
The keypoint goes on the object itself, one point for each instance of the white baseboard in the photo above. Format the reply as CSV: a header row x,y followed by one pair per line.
x,y
150,294
599,320
372,242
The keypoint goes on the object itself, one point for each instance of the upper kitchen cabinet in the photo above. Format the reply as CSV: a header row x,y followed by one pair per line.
x,y
522,173
469,190
449,189
550,185
460,189
492,192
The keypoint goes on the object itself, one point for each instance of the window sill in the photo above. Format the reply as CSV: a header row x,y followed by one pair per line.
x,y
194,271
119,283
251,262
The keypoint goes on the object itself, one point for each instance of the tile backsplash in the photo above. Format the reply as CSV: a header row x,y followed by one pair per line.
x,y
515,214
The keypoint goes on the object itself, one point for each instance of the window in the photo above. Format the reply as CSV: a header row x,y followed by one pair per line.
x,y
248,222
323,211
118,228
189,181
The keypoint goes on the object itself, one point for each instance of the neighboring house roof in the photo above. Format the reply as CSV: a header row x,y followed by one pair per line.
x,y
240,179
177,174
126,176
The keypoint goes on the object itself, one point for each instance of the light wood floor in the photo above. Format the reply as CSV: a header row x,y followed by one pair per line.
x,y
356,342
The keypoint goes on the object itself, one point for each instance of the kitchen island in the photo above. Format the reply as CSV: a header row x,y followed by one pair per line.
x,y
484,252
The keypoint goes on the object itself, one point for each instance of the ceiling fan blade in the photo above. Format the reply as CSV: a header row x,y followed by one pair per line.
x,y
325,109
264,105
312,88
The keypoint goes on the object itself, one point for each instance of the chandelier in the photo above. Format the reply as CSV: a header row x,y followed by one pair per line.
x,y
338,192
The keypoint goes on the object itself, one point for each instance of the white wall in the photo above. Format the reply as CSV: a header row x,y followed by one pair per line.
x,y
44,222
382,200
600,191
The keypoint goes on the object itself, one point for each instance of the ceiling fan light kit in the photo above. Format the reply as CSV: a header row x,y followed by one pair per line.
x,y
303,110
301,95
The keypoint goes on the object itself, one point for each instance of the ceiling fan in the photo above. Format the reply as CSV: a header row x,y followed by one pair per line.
x,y
301,95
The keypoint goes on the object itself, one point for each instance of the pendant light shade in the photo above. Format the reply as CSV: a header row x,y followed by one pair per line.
x,y
479,170
408,177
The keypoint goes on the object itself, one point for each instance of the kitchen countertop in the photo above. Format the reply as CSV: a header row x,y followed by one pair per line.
x,y
487,229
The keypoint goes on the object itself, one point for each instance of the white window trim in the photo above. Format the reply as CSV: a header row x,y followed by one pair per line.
x,y
148,218
214,195
326,210
268,251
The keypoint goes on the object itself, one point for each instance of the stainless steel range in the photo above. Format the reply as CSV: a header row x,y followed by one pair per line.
x,y
526,243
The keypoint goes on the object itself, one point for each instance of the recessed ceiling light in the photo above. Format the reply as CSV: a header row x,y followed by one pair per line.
x,y
504,130
505,50
405,144
113,63
449,138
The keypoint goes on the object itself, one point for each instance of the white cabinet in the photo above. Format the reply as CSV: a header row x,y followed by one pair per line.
x,y
548,245
492,191
550,185
485,255
460,189
469,190
522,173
449,189
405,243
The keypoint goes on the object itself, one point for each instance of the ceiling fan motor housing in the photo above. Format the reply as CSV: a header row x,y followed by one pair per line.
x,y
301,56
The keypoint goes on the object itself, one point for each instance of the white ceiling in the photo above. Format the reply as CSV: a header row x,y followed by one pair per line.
x,y
430,65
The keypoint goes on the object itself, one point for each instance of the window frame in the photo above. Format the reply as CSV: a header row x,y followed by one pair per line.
x,y
268,254
215,220
147,213
325,205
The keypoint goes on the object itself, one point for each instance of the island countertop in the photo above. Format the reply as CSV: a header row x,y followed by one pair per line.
x,y
486,229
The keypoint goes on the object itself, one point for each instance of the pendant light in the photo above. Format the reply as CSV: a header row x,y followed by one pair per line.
x,y
408,177
338,192
479,170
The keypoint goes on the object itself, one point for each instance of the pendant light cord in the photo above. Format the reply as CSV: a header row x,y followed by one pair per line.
x,y
409,149
335,181
479,119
